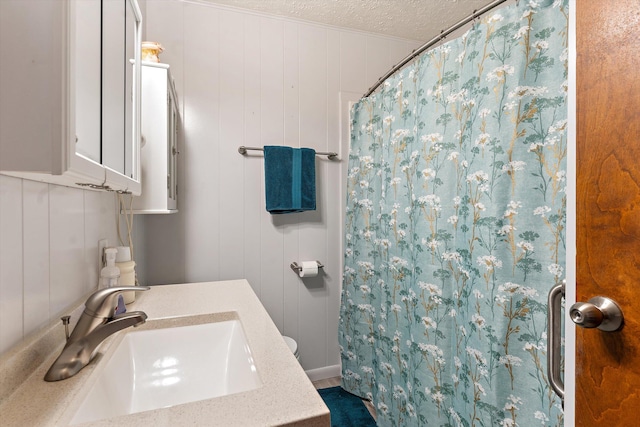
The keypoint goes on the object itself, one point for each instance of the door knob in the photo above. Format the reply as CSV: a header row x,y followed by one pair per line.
x,y
599,312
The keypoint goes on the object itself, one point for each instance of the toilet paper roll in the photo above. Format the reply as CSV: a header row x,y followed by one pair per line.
x,y
309,269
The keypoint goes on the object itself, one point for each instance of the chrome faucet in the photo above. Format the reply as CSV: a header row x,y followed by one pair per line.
x,y
96,323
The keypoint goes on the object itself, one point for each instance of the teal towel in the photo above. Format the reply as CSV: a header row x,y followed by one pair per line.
x,y
347,410
290,179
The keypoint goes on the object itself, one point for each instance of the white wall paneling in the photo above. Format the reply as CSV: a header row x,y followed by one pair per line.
x,y
332,202
269,107
11,299
200,192
100,221
246,78
290,244
353,61
312,304
66,246
237,35
48,252
35,207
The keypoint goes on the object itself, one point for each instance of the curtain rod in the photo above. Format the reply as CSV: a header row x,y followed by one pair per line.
x,y
433,41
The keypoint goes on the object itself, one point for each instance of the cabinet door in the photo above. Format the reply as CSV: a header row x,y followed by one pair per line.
x,y
172,154
121,34
52,81
130,28
160,127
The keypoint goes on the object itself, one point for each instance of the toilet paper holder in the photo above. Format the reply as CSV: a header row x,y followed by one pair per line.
x,y
297,268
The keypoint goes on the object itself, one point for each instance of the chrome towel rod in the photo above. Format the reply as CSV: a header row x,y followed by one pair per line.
x,y
243,150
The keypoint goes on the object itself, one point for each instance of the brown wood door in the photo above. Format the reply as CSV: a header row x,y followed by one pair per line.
x,y
608,207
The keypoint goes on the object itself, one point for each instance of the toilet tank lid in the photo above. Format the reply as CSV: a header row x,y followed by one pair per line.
x,y
293,345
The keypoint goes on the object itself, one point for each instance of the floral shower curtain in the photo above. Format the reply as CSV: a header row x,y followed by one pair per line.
x,y
455,227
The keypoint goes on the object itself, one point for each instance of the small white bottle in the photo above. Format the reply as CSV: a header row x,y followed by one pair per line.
x,y
127,272
110,274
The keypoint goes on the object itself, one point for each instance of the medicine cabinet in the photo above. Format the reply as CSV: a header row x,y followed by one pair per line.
x,y
159,152
70,105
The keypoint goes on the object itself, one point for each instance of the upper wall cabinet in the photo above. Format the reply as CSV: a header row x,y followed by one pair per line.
x,y
70,103
160,124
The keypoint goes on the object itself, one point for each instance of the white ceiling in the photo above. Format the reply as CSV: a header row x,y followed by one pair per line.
x,y
411,19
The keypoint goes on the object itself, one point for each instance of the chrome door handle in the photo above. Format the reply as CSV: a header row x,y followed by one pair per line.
x,y
599,312
554,338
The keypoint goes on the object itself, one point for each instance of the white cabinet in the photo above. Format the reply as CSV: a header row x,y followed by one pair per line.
x,y
160,121
70,98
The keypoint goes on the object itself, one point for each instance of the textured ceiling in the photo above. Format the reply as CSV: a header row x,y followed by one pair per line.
x,y
411,19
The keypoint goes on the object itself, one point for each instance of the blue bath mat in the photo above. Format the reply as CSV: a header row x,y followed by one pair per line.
x,y
347,410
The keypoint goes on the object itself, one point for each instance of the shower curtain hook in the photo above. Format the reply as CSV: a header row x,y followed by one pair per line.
x,y
476,18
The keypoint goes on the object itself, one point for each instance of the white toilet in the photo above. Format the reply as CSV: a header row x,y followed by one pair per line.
x,y
293,346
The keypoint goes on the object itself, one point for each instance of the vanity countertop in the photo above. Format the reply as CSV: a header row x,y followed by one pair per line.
x,y
286,397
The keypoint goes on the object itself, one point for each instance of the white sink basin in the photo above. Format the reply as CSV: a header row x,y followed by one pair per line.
x,y
157,368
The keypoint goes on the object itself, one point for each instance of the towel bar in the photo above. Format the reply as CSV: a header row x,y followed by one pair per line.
x,y
295,267
330,155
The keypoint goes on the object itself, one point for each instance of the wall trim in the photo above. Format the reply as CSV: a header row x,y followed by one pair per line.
x,y
571,230
324,373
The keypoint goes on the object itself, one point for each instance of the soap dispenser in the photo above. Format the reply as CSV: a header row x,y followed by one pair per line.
x,y
110,274
126,265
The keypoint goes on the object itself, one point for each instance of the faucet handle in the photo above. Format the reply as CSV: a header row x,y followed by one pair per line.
x,y
102,302
65,322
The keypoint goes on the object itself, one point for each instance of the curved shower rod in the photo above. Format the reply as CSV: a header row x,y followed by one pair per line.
x,y
433,41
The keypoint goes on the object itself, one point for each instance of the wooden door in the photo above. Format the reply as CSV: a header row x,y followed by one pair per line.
x,y
608,207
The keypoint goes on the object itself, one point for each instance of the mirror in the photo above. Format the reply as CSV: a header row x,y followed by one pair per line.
x,y
120,25
113,83
105,40
87,63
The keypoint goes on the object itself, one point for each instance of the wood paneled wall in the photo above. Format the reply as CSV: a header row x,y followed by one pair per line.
x,y
250,79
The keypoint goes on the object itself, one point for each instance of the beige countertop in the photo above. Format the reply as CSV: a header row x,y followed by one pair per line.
x,y
286,396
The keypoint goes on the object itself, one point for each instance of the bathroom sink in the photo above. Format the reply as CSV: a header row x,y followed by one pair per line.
x,y
157,368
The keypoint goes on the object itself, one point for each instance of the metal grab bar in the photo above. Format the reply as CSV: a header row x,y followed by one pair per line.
x,y
554,338
243,150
